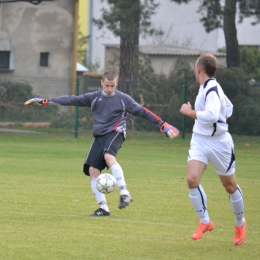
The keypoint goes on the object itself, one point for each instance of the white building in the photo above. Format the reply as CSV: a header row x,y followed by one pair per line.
x,y
163,58
182,27
36,41
37,38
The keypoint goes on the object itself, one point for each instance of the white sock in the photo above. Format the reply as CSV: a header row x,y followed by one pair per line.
x,y
100,197
119,176
237,203
198,199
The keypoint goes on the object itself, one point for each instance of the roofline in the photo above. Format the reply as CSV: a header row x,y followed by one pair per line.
x,y
196,51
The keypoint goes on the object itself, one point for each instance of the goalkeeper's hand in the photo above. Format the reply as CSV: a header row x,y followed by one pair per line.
x,y
169,130
37,101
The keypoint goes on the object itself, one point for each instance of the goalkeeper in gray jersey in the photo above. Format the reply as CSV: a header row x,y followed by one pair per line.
x,y
109,108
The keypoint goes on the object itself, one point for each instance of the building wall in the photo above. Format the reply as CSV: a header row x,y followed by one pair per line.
x,y
181,25
32,29
83,18
162,64
112,58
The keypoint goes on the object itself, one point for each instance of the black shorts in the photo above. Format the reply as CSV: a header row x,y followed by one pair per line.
x,y
110,143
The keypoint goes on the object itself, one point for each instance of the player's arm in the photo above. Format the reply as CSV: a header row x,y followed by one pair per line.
x,y
37,101
229,107
212,109
169,130
82,100
138,110
187,110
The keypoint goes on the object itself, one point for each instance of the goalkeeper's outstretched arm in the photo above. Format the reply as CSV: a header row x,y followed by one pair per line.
x,y
38,101
66,100
167,129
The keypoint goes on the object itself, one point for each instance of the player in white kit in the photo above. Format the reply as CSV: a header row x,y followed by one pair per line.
x,y
211,142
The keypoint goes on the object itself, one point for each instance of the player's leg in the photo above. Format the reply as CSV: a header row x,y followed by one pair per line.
x,y
117,171
237,203
198,197
103,209
197,194
113,144
223,160
197,163
92,165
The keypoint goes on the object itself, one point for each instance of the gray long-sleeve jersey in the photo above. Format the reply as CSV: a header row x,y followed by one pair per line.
x,y
109,112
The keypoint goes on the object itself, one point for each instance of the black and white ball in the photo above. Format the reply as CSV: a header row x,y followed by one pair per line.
x,y
105,183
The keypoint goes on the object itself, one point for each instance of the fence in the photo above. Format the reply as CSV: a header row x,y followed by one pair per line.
x,y
164,97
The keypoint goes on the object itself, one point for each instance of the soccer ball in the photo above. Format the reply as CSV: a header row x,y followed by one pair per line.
x,y
105,183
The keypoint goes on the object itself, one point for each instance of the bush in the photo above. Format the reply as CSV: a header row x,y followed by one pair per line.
x,y
164,96
250,62
13,95
245,99
245,117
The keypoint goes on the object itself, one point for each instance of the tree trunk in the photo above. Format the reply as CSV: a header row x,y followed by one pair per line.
x,y
230,31
129,45
126,73
126,68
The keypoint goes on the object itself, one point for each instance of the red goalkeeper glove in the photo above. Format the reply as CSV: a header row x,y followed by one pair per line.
x,y
169,130
37,101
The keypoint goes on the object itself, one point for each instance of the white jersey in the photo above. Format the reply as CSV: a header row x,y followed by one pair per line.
x,y
213,108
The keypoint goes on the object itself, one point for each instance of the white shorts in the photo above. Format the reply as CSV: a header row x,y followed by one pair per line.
x,y
219,150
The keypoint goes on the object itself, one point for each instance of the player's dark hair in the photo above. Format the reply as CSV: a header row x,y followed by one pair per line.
x,y
208,63
109,75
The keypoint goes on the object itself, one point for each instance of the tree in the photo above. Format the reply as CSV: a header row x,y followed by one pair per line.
x,y
222,14
250,63
128,19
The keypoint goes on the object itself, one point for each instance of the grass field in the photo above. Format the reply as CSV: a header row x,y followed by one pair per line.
x,y
46,199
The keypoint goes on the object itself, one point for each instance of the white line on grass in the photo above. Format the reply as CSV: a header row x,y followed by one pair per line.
x,y
116,219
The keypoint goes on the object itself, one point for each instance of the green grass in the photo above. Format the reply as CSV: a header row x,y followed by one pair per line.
x,y
46,199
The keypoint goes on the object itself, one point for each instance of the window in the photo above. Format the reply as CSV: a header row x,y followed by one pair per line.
x,y
5,60
44,59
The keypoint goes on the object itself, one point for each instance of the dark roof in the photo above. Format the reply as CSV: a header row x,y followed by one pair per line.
x,y
170,50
